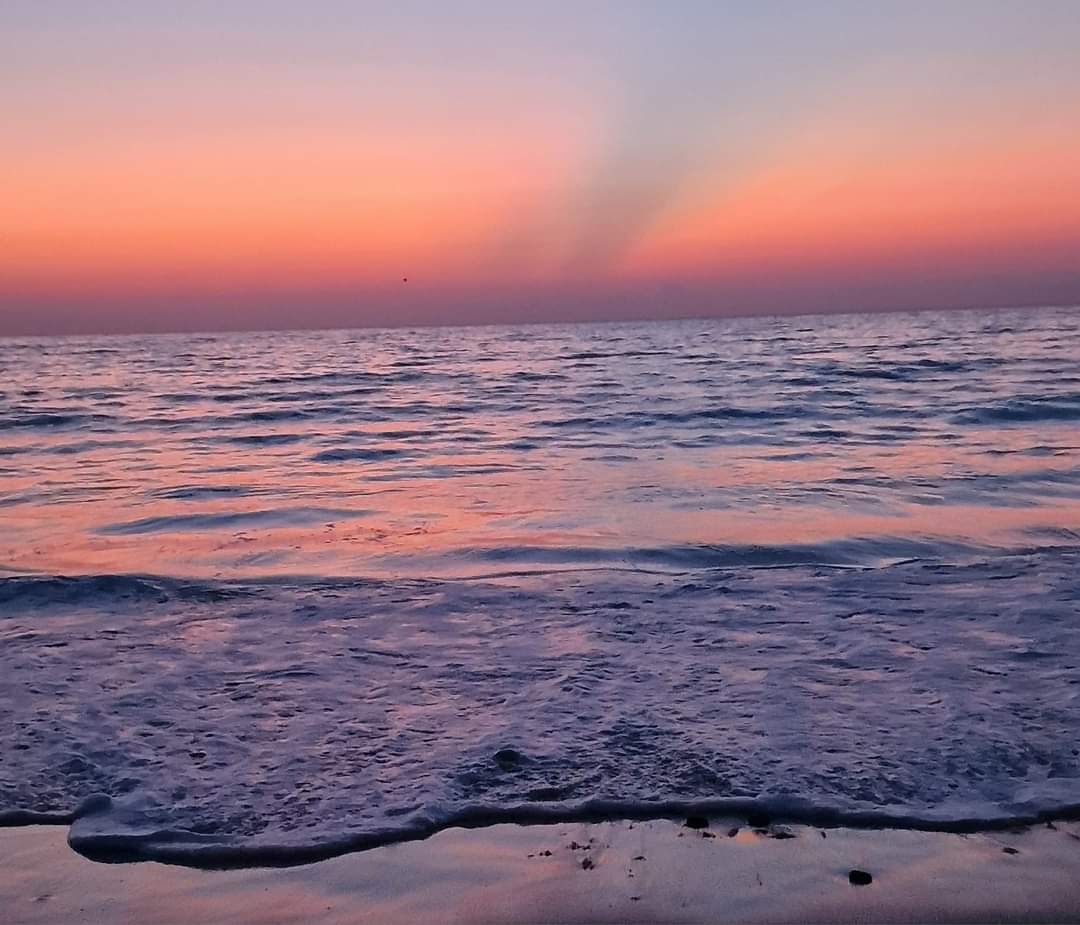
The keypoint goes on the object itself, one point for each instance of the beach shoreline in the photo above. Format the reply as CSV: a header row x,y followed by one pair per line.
x,y
641,871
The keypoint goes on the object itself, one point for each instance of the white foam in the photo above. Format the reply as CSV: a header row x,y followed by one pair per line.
x,y
307,716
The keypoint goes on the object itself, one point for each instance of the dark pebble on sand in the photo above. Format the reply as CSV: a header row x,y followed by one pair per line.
x,y
731,833
1010,850
781,834
696,822
859,878
586,864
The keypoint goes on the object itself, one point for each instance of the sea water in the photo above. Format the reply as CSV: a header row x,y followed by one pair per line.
x,y
271,596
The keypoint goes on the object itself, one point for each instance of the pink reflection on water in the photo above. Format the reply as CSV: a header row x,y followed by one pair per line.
x,y
382,509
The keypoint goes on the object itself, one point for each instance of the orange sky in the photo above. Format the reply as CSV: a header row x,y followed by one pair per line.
x,y
220,171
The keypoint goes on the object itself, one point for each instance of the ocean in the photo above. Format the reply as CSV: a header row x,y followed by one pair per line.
x,y
268,597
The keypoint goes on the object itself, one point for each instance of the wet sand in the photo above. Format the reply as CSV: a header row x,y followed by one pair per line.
x,y
597,872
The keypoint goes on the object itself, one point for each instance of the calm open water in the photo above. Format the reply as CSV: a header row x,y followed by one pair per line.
x,y
276,595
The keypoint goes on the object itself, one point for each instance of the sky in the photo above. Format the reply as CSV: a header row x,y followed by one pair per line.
x,y
238,165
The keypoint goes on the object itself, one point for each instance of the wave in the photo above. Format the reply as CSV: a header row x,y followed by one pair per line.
x,y
23,589
276,517
201,492
447,471
48,419
871,555
92,590
104,832
1023,409
613,355
278,721
634,419
873,551
273,414
366,454
262,439
87,446
350,375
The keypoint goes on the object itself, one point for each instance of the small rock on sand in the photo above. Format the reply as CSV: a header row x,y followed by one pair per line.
x,y
858,877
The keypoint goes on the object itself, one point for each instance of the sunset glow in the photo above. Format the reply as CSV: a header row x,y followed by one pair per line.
x,y
168,170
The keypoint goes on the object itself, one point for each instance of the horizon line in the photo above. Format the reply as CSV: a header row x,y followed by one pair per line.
x,y
733,316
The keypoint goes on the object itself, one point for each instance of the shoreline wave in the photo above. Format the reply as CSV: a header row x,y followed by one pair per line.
x,y
201,851
241,723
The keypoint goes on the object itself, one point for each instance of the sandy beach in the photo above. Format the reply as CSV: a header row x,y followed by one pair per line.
x,y
596,872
